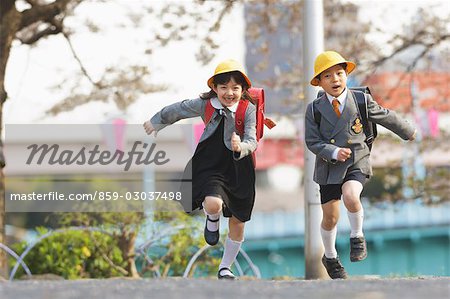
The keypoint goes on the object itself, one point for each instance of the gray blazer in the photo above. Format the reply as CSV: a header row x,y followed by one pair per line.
x,y
336,132
196,107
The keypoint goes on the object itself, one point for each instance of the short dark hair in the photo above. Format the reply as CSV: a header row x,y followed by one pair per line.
x,y
343,65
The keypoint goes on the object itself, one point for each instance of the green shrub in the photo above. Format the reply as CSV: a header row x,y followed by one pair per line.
x,y
73,255
172,253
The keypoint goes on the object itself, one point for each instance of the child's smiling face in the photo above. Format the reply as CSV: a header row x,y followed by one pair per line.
x,y
228,93
333,80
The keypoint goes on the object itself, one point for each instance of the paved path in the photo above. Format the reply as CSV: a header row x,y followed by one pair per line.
x,y
173,288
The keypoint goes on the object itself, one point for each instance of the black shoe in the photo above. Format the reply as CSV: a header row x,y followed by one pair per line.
x,y
334,268
212,238
358,249
226,276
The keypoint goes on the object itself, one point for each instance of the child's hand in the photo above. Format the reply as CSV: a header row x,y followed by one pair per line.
x,y
149,128
413,137
235,142
344,154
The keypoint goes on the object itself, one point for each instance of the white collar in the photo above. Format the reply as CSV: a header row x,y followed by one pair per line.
x,y
341,98
218,105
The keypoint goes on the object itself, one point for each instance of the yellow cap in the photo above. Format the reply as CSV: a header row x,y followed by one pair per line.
x,y
226,66
326,60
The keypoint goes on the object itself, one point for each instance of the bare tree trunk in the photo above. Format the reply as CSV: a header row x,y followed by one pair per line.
x,y
10,20
3,257
126,245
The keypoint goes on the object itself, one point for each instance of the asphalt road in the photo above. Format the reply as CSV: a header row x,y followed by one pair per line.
x,y
173,288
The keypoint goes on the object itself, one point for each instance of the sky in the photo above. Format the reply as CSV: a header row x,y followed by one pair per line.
x,y
391,16
32,71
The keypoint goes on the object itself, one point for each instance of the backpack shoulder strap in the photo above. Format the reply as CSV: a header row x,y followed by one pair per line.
x,y
209,110
316,113
361,104
240,117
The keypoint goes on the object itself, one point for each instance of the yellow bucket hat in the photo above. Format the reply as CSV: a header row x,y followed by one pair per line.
x,y
226,66
326,60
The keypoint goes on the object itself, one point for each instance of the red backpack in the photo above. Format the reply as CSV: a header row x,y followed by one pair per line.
x,y
258,95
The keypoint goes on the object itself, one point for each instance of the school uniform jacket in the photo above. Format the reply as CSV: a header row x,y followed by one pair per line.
x,y
337,131
196,107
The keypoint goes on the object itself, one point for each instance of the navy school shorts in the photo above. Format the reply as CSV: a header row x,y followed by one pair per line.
x,y
334,191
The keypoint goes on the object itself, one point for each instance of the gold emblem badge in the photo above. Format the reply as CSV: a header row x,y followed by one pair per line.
x,y
357,127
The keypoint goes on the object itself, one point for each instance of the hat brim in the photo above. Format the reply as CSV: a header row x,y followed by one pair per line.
x,y
350,67
211,80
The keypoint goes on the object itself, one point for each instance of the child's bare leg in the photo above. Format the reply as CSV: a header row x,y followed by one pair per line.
x,y
330,214
212,205
351,191
236,228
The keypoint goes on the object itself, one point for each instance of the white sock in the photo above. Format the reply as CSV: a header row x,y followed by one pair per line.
x,y
212,226
356,223
230,251
329,242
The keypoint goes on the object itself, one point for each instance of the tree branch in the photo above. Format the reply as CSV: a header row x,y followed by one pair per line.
x,y
50,30
415,41
6,5
47,13
412,42
75,55
43,12
107,259
408,71
404,46
32,2
227,7
111,263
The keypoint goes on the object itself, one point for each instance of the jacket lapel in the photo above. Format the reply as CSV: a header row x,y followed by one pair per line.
x,y
326,110
346,115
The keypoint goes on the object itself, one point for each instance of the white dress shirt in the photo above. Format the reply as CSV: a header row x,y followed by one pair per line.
x,y
342,98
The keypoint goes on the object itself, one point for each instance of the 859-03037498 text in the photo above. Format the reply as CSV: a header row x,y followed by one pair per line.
x,y
97,195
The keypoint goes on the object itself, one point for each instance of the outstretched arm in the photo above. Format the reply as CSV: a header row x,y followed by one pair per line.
x,y
175,112
148,127
390,120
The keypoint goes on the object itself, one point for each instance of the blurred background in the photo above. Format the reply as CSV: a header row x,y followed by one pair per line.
x,y
118,62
